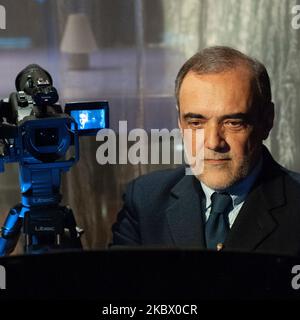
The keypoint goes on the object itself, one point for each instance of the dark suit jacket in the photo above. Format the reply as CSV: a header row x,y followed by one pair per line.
x,y
164,209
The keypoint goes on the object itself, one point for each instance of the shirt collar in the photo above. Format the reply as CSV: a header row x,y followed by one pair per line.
x,y
239,190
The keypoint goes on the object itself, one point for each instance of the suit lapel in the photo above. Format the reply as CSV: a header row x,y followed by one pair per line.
x,y
184,214
253,224
255,221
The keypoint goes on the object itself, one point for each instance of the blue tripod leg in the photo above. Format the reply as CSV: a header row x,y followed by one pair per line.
x,y
11,230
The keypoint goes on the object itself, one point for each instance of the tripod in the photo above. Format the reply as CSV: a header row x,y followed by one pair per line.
x,y
46,228
45,224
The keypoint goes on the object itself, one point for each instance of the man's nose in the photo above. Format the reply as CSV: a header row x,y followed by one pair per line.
x,y
213,138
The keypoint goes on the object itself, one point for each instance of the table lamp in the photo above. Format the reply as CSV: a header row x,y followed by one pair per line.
x,y
78,41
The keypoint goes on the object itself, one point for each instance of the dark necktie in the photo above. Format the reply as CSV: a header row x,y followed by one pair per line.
x,y
217,225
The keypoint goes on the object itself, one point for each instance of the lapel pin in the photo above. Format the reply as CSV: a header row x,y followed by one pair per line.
x,y
220,246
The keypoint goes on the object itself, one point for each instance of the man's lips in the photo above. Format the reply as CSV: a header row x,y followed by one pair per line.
x,y
216,161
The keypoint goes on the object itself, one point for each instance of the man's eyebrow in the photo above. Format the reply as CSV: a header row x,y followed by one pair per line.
x,y
239,115
190,115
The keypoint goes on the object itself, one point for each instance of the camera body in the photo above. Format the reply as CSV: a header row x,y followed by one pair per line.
x,y
34,128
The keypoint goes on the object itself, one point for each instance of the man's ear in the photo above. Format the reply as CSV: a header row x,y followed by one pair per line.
x,y
268,120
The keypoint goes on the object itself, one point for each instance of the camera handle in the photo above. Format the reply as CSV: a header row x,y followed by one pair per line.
x,y
46,228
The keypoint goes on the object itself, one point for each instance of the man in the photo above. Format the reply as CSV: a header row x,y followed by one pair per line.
x,y
242,200
83,119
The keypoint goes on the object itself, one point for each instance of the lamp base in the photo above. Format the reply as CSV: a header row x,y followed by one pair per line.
x,y
78,61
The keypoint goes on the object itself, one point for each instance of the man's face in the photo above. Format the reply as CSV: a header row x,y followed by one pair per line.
x,y
221,104
83,119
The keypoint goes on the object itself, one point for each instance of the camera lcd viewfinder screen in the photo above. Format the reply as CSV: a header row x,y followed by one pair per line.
x,y
89,119
90,116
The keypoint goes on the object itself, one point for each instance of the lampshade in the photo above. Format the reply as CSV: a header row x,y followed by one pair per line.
x,y
78,37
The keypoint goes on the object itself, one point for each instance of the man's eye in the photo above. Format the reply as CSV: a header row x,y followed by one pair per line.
x,y
196,123
234,124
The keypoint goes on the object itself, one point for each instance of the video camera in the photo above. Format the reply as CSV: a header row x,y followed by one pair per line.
x,y
38,134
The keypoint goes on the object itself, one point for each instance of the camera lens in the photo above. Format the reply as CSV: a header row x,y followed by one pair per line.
x,y
46,137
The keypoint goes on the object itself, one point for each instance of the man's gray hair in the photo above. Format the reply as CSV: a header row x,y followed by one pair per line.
x,y
221,58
